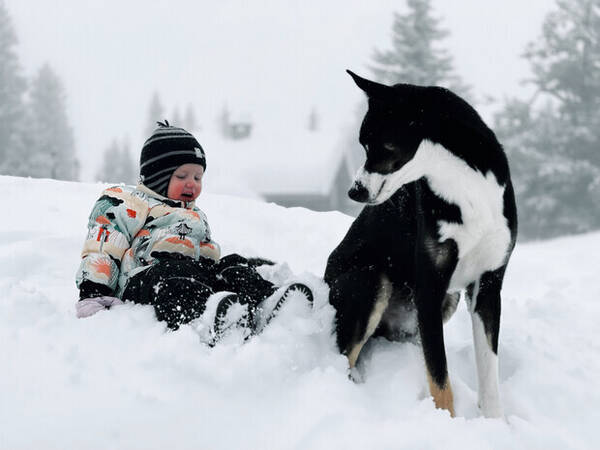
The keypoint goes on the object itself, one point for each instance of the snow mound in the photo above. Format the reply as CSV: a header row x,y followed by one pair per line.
x,y
120,380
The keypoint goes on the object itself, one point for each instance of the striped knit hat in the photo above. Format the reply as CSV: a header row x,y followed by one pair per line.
x,y
163,152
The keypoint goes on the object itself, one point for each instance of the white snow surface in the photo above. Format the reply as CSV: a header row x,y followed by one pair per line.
x,y
120,380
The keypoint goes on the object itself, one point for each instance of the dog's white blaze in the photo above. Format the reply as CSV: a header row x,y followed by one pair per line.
x,y
487,370
483,238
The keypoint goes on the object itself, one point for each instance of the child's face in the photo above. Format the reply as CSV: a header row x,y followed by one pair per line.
x,y
186,182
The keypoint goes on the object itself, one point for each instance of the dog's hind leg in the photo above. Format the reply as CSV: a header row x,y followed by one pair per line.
x,y
382,299
484,305
431,331
360,299
430,291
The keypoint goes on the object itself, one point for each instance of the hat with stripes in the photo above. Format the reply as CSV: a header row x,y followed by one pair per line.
x,y
168,148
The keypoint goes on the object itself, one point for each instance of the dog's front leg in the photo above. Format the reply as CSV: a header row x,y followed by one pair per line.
x,y
484,305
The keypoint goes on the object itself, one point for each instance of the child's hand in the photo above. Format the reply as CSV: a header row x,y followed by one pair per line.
x,y
90,306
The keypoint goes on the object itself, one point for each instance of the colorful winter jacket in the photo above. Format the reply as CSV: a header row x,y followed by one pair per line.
x,y
129,228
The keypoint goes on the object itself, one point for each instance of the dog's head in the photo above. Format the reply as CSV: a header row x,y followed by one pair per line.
x,y
391,133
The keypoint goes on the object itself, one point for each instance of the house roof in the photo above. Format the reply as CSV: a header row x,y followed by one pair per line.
x,y
282,160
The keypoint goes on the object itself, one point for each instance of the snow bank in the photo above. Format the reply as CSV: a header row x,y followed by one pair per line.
x,y
120,380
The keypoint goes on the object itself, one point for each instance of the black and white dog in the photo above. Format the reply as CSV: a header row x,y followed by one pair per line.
x,y
440,218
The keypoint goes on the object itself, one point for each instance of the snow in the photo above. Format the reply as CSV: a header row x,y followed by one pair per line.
x,y
119,380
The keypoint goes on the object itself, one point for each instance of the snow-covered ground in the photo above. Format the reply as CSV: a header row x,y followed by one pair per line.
x,y
119,380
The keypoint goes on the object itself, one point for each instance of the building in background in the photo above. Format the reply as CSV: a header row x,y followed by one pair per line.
x,y
293,167
326,192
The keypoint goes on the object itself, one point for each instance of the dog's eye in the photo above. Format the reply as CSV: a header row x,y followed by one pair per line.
x,y
389,146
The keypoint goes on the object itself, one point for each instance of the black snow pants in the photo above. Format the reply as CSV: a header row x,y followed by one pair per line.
x,y
179,287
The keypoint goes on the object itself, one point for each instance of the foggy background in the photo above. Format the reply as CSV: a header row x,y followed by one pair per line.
x,y
262,85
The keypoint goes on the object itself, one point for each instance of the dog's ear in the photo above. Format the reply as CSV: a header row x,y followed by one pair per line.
x,y
371,88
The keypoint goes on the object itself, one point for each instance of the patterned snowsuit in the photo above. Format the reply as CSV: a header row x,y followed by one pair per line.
x,y
149,249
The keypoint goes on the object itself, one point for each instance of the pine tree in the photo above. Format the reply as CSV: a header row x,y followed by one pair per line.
x,y
553,140
189,121
565,63
128,168
12,89
313,120
110,164
175,119
117,164
416,56
51,148
155,114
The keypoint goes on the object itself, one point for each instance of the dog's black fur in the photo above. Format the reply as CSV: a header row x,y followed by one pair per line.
x,y
433,225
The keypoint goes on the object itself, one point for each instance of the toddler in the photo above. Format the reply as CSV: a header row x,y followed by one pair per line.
x,y
150,244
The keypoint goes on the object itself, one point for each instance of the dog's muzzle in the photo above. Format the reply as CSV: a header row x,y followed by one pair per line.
x,y
358,192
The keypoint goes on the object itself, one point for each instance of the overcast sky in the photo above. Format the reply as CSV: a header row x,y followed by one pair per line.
x,y
268,60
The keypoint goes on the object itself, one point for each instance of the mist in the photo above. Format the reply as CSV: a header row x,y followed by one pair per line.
x,y
266,85
272,61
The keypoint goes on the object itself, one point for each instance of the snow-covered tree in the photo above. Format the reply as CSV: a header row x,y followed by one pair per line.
x,y
50,150
12,89
564,58
565,62
117,164
417,56
155,114
553,139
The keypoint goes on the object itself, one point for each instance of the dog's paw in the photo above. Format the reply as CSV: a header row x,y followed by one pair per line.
x,y
491,409
355,375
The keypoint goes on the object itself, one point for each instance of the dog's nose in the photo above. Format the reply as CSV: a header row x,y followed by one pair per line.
x,y
358,193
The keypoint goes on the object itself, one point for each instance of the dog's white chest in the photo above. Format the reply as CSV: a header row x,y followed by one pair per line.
x,y
483,237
